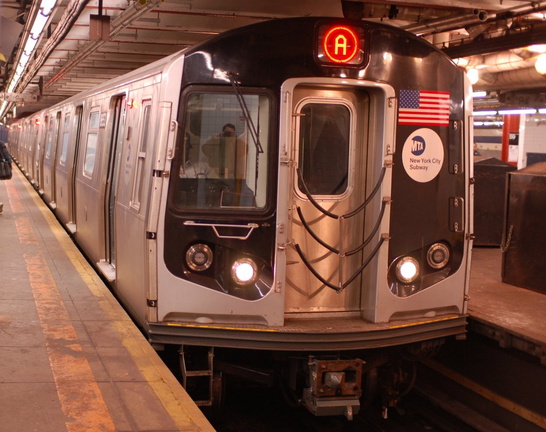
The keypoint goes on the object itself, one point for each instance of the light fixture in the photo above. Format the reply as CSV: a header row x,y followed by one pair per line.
x,y
518,111
407,269
473,75
484,113
244,271
540,64
199,257
538,48
41,18
461,61
489,124
438,256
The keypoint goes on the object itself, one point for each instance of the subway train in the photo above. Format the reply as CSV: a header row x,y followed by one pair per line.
x,y
288,202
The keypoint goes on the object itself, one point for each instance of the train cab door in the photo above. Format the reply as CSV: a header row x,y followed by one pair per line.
x,y
339,136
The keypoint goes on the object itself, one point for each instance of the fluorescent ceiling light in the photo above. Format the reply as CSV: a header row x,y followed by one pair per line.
x,y
473,75
538,48
540,64
518,111
484,113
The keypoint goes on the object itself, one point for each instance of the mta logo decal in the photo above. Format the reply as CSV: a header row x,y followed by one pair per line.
x,y
418,145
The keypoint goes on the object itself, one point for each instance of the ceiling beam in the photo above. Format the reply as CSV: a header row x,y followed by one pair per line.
x,y
512,40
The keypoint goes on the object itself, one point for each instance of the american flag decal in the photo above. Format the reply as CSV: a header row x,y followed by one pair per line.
x,y
423,107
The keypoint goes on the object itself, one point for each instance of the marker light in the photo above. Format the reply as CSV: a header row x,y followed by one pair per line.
x,y
407,269
199,257
244,271
438,255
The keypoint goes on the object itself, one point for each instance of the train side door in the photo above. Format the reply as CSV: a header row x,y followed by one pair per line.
x,y
116,130
72,157
337,148
49,159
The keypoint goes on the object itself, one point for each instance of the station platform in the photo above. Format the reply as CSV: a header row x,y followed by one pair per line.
x,y
71,359
513,316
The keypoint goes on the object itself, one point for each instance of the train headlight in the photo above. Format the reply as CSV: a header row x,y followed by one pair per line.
x,y
438,255
407,269
199,257
244,271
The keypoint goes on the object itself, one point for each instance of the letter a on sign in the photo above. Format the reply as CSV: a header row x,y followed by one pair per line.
x,y
341,45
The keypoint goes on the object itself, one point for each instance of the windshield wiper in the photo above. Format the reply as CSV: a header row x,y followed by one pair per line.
x,y
242,103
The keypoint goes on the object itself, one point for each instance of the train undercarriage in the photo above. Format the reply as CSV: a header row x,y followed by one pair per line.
x,y
327,383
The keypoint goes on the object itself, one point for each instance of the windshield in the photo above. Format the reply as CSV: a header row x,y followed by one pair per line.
x,y
221,165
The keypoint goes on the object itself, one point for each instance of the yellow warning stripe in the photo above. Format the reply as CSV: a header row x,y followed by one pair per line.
x,y
426,321
79,394
182,411
220,327
490,395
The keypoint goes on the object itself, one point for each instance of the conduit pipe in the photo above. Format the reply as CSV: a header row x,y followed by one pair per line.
x,y
69,17
123,20
515,79
476,17
498,62
444,24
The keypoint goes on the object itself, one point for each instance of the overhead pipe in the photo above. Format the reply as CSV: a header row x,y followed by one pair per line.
x,y
512,40
69,17
123,20
444,24
477,17
498,62
33,13
514,79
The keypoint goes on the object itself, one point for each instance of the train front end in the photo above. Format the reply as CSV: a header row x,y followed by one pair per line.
x,y
318,200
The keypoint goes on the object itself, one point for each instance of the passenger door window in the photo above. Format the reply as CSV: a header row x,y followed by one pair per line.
x,y
136,196
66,136
91,143
324,136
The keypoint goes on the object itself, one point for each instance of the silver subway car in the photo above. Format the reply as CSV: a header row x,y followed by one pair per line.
x,y
297,190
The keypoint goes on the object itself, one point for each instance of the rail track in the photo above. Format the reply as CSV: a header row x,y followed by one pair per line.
x,y
470,386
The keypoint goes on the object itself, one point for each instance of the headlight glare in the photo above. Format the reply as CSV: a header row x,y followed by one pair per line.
x,y
244,271
407,269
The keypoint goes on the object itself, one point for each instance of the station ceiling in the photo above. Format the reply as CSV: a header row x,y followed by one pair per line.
x,y
85,42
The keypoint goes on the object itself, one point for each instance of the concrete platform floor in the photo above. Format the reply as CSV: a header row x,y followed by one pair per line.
x,y
70,357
